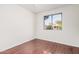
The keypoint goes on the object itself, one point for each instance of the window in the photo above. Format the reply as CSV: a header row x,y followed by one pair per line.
x,y
53,22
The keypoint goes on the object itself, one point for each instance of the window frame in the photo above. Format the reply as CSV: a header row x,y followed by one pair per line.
x,y
51,19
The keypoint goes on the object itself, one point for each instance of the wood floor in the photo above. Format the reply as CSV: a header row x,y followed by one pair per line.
x,y
38,46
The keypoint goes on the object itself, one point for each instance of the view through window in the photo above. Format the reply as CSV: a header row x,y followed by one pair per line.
x,y
53,22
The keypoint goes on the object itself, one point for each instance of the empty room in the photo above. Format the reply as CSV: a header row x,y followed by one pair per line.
x,y
39,29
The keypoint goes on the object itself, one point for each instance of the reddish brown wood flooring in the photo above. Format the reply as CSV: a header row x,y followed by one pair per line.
x,y
38,46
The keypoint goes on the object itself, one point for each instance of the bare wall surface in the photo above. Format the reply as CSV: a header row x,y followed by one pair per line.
x,y
70,32
16,26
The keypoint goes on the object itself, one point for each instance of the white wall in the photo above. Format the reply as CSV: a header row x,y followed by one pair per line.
x,y
70,32
16,26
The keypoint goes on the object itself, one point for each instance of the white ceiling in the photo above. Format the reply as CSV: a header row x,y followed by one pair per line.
x,y
36,8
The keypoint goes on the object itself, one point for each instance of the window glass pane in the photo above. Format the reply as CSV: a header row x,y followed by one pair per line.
x,y
57,22
47,22
53,22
